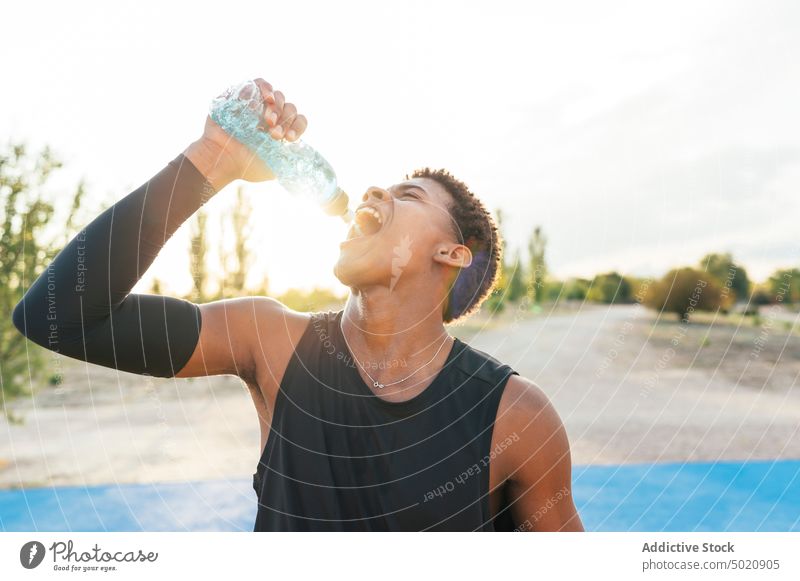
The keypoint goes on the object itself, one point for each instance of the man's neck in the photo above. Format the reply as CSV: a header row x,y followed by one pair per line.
x,y
383,325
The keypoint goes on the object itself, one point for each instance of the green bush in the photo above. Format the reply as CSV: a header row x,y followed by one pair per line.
x,y
576,289
685,290
731,277
784,286
609,288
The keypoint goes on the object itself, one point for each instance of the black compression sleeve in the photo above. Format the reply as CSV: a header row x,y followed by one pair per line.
x,y
81,305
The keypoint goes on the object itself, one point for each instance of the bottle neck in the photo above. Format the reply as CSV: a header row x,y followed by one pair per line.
x,y
338,206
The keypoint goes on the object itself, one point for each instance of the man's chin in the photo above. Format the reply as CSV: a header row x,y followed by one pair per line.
x,y
345,270
355,270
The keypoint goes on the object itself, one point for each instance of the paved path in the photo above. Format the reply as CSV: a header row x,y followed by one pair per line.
x,y
628,392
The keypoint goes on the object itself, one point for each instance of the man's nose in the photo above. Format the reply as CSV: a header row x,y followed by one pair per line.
x,y
375,193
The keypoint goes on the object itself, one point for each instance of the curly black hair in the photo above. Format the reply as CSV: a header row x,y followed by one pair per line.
x,y
475,228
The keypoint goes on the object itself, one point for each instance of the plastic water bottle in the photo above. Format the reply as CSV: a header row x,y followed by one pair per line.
x,y
299,168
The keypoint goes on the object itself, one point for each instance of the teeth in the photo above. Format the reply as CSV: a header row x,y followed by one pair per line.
x,y
373,212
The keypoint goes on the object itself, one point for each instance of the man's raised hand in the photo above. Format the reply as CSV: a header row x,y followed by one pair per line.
x,y
222,159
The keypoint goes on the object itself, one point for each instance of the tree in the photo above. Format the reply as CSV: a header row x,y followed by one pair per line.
x,y
515,280
554,291
731,276
537,273
609,288
495,302
198,250
685,290
235,276
242,229
761,296
576,289
639,287
784,286
235,263
26,251
155,287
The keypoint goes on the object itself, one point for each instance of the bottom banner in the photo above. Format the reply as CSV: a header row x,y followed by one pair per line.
x,y
417,556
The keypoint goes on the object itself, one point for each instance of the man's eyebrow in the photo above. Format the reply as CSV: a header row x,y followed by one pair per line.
x,y
407,186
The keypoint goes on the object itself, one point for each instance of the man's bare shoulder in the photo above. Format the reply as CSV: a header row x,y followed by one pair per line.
x,y
240,334
523,401
270,310
536,465
255,317
527,416
276,332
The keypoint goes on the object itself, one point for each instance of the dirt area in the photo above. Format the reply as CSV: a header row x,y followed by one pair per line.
x,y
102,426
630,388
753,353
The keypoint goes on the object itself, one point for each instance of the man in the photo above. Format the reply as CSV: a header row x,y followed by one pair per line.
x,y
373,417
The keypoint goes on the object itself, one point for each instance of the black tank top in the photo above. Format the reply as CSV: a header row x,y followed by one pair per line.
x,y
340,458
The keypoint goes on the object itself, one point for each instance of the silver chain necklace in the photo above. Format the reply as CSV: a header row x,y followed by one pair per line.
x,y
377,384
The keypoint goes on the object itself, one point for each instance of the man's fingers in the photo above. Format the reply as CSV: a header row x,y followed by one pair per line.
x,y
297,128
265,88
276,132
268,98
263,85
281,118
287,116
274,108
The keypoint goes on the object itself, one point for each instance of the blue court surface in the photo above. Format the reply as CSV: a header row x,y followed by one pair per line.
x,y
720,496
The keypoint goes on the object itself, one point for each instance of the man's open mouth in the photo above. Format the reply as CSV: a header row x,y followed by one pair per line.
x,y
367,222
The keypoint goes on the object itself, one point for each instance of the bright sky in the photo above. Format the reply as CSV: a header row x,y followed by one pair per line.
x,y
639,136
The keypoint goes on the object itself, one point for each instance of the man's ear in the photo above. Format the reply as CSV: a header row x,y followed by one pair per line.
x,y
453,254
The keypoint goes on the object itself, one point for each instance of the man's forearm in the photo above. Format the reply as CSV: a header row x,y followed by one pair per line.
x,y
81,304
212,163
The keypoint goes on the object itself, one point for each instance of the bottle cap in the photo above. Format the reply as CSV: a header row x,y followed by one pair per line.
x,y
338,206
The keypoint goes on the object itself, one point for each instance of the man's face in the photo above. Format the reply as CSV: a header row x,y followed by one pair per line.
x,y
395,234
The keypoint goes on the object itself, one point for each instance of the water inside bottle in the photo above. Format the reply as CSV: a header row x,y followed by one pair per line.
x,y
299,168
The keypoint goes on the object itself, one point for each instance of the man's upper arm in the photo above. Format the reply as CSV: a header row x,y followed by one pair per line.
x,y
538,463
231,333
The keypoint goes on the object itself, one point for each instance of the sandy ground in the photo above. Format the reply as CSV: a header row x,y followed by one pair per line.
x,y
630,388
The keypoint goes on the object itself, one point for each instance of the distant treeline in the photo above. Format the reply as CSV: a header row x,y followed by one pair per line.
x,y
717,282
